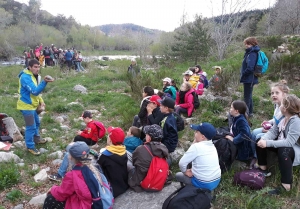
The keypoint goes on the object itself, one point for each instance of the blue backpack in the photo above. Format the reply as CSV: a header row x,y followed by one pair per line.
x,y
100,191
262,64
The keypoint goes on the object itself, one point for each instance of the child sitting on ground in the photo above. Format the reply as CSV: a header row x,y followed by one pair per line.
x,y
205,172
132,140
113,161
241,133
216,78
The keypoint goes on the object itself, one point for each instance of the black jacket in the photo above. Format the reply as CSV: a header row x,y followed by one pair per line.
x,y
156,117
169,126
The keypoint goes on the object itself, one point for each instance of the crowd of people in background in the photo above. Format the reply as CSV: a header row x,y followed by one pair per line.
x,y
52,56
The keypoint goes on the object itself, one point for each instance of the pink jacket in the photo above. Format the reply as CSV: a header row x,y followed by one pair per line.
x,y
188,102
37,51
74,191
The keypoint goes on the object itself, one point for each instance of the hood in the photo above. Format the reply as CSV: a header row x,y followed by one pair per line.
x,y
159,149
23,71
253,49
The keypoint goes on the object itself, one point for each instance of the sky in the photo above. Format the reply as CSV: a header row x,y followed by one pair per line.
x,y
155,14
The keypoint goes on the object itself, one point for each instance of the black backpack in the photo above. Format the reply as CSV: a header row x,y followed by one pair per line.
x,y
196,100
227,152
179,121
188,197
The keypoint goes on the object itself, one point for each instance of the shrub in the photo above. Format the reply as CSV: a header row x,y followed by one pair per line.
x,y
9,175
14,195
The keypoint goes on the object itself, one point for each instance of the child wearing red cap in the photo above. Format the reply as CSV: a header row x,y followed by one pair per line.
x,y
113,161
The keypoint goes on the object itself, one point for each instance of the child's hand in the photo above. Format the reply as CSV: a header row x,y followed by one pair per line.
x,y
79,132
262,143
188,173
229,137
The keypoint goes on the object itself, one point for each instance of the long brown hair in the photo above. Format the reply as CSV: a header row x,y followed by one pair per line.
x,y
242,108
292,104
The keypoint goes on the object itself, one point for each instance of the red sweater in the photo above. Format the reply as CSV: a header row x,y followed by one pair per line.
x,y
188,102
74,191
90,132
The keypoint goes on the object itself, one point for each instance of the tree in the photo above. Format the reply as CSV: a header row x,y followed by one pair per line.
x,y
192,41
5,18
224,27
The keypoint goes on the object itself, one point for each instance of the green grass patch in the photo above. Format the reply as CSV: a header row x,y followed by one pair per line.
x,y
9,175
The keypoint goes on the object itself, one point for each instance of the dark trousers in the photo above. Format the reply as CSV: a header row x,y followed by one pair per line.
x,y
47,61
51,203
89,142
286,157
248,89
180,110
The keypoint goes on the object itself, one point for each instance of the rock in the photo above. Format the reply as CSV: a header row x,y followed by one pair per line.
x,y
65,117
12,129
59,119
9,156
19,144
95,146
43,150
21,164
177,154
64,127
57,154
188,120
80,88
149,200
93,111
41,176
49,139
43,131
35,167
55,130
57,162
78,119
38,200
20,206
75,103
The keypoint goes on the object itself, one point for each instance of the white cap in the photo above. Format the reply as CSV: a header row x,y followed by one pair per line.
x,y
169,80
205,74
188,72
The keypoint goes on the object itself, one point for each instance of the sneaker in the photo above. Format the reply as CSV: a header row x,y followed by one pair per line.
x,y
34,151
278,190
265,172
39,140
55,177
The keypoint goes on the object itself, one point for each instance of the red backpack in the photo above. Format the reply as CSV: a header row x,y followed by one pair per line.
x,y
157,174
101,129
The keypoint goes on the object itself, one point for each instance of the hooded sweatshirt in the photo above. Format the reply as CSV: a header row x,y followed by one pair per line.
x,y
113,162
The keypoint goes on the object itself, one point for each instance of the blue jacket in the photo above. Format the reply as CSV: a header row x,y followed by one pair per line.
x,y
242,134
68,55
132,142
29,90
249,62
170,134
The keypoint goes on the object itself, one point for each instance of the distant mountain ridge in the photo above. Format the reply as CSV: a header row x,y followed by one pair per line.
x,y
117,29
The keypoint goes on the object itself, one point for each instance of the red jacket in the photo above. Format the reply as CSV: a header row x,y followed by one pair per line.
x,y
37,52
188,102
90,132
74,191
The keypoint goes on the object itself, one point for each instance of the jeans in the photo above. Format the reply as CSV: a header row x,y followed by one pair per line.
x,y
32,123
136,121
64,165
80,67
257,133
248,89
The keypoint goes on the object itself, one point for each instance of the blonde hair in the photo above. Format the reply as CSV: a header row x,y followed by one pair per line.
x,y
292,104
282,86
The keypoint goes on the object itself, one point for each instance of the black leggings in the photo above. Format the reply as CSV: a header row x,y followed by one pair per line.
x,y
286,157
51,203
89,142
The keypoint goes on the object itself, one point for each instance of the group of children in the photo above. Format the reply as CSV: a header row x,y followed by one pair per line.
x,y
126,159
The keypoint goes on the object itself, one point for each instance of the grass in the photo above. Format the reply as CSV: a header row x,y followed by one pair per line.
x,y
109,93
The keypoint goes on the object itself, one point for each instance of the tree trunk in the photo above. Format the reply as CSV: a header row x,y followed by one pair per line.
x,y
12,129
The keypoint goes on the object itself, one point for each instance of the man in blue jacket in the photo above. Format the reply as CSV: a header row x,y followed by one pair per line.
x,y
68,57
30,86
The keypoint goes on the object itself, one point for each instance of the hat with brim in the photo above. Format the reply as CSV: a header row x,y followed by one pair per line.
x,y
207,129
79,150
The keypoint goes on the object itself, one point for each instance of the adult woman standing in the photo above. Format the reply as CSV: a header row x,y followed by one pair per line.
x,y
247,71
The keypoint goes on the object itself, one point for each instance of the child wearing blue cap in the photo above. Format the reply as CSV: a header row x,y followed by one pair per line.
x,y
205,172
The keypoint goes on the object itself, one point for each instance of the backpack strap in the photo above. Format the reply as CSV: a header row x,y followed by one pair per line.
x,y
148,150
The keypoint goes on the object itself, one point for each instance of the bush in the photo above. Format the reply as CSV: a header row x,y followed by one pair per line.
x,y
9,175
14,195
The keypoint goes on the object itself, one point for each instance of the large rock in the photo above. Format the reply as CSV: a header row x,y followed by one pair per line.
x,y
38,200
80,88
20,206
149,200
177,154
9,156
12,129
41,176
59,119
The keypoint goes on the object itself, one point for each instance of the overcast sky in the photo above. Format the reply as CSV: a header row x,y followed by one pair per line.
x,y
155,14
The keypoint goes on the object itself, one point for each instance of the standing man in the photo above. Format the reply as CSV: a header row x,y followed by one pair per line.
x,y
30,86
133,68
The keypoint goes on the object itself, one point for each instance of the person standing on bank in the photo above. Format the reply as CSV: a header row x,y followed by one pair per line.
x,y
247,71
30,86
